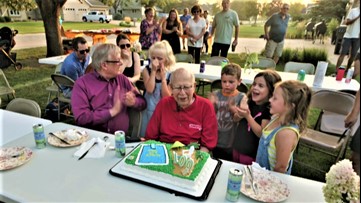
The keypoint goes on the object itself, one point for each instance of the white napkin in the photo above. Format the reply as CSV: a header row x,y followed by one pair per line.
x,y
97,151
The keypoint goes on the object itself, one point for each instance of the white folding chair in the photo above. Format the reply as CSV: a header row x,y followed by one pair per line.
x,y
294,67
24,106
264,63
5,88
329,135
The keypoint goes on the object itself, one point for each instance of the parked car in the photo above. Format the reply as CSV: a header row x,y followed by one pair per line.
x,y
97,16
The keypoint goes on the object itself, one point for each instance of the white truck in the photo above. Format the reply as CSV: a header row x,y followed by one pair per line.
x,y
97,16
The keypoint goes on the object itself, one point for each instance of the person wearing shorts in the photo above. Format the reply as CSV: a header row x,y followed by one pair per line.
x,y
275,31
351,38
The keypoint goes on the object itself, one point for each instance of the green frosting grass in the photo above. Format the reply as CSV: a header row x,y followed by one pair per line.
x,y
168,169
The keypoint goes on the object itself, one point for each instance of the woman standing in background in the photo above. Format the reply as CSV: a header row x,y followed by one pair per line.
x,y
196,27
172,29
150,29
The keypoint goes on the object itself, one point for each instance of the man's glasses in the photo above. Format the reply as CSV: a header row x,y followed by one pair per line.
x,y
116,62
196,11
180,88
123,46
286,8
83,51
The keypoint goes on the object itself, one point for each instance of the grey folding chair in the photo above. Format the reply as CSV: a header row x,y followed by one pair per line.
x,y
329,135
264,63
62,81
135,123
294,67
53,89
182,57
5,88
24,106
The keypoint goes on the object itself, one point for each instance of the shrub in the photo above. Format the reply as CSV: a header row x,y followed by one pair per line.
x,y
306,55
298,32
127,19
117,16
2,19
332,25
7,19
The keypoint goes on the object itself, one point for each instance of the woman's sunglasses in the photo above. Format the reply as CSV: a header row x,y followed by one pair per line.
x,y
84,51
123,46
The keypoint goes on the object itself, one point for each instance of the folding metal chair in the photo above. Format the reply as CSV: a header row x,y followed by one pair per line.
x,y
24,106
329,135
5,88
53,89
62,81
294,67
264,63
182,57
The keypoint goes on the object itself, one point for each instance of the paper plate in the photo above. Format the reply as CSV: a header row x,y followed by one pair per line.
x,y
270,188
12,157
68,135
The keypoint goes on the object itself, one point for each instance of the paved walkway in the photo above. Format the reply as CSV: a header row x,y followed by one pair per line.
x,y
252,44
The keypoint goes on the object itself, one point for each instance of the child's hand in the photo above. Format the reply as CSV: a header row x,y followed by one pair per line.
x,y
244,103
129,99
162,71
213,98
232,105
155,65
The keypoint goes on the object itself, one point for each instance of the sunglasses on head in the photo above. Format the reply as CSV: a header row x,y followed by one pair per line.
x,y
122,46
84,51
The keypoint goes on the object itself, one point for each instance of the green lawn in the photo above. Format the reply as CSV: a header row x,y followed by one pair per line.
x,y
31,27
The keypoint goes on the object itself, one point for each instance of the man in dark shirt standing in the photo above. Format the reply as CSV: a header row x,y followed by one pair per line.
x,y
275,31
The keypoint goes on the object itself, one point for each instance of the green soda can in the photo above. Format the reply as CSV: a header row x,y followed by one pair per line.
x,y
119,143
39,136
234,184
301,75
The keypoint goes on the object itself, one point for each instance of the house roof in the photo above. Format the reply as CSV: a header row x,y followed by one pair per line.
x,y
96,3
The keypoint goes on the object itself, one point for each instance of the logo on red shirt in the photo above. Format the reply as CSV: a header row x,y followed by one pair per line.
x,y
195,126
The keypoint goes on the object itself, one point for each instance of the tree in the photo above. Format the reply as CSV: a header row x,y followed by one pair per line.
x,y
328,9
296,11
50,12
152,3
18,4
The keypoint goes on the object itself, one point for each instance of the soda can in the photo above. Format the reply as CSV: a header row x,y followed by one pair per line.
x,y
349,75
224,63
202,67
301,75
119,143
234,184
39,136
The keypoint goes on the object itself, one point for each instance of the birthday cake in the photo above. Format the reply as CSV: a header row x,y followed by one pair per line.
x,y
174,164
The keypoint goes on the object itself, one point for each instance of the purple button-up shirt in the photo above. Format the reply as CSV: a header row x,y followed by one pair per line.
x,y
92,98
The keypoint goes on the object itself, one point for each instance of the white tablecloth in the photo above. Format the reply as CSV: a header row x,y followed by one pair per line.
x,y
14,125
54,175
213,72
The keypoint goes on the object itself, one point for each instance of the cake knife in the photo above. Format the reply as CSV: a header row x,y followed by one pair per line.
x,y
86,152
61,139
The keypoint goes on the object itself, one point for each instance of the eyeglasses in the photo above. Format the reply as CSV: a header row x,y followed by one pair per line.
x,y
179,89
196,11
83,51
116,62
122,46
286,8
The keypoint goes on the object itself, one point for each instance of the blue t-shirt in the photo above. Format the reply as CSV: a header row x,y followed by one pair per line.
x,y
278,27
184,19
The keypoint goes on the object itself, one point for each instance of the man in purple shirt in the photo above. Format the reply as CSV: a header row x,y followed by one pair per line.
x,y
101,99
